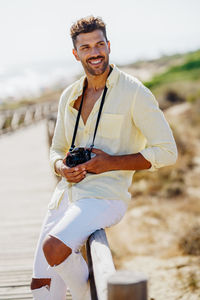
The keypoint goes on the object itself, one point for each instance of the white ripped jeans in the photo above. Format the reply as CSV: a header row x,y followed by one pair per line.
x,y
72,223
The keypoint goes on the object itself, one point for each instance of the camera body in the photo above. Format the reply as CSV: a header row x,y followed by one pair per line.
x,y
77,156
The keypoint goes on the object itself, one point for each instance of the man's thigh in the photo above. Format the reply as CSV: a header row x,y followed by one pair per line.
x,y
85,216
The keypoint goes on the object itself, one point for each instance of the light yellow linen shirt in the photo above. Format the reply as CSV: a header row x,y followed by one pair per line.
x,y
131,122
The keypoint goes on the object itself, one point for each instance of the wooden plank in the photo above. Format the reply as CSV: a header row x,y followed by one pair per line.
x,y
23,296
15,288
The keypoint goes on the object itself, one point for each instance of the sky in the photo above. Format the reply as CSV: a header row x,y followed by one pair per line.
x,y
38,30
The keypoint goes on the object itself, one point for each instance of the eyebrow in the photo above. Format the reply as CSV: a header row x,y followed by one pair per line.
x,y
84,45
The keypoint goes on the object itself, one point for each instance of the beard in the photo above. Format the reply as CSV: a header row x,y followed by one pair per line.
x,y
96,70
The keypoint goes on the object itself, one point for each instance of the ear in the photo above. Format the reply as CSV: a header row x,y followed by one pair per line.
x,y
108,43
74,51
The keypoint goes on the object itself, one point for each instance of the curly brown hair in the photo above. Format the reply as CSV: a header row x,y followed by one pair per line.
x,y
85,25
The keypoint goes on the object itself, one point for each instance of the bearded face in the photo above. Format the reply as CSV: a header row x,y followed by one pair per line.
x,y
92,50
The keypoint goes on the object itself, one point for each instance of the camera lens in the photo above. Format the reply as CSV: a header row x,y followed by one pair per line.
x,y
70,161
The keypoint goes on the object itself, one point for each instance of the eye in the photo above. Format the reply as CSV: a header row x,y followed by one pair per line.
x,y
84,48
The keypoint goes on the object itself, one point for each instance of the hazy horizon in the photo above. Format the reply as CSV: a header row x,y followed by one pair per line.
x,y
36,48
38,31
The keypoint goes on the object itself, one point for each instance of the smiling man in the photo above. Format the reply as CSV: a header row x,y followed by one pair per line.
x,y
119,129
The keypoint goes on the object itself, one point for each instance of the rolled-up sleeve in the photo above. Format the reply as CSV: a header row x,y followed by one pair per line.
x,y
59,145
160,148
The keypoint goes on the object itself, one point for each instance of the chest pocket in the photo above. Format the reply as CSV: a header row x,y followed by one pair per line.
x,y
110,125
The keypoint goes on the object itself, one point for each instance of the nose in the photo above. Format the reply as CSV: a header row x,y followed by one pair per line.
x,y
94,51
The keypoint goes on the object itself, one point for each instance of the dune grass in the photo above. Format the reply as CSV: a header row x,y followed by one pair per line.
x,y
189,70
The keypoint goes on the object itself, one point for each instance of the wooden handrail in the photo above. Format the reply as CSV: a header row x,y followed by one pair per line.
x,y
105,282
100,264
11,120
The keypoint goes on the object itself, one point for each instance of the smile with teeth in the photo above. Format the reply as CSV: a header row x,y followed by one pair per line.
x,y
95,61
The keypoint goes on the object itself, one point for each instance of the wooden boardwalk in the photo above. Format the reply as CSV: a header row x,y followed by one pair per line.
x,y
26,184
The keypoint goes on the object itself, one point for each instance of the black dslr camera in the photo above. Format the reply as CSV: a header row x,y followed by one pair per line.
x,y
77,156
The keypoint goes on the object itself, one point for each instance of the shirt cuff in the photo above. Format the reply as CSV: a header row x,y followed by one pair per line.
x,y
150,156
53,167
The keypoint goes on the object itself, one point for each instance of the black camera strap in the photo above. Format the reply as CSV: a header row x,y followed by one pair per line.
x,y
98,117
77,120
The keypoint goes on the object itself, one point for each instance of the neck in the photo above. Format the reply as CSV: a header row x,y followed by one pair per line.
x,y
98,82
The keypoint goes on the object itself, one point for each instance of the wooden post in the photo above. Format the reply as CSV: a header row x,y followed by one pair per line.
x,y
15,120
29,116
127,285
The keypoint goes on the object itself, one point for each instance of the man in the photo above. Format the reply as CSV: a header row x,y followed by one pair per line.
x,y
132,135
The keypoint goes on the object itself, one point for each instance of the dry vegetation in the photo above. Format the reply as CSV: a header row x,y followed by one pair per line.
x,y
160,234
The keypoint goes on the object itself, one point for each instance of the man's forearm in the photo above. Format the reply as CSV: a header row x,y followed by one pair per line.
x,y
128,162
104,162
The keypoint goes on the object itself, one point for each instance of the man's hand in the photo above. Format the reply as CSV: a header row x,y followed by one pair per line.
x,y
74,174
98,164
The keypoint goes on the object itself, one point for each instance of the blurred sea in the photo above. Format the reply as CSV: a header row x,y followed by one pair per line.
x,y
33,79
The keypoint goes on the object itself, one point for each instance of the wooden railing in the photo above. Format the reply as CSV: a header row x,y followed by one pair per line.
x,y
11,120
106,283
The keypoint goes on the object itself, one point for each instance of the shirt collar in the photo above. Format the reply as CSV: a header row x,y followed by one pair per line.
x,y
78,88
